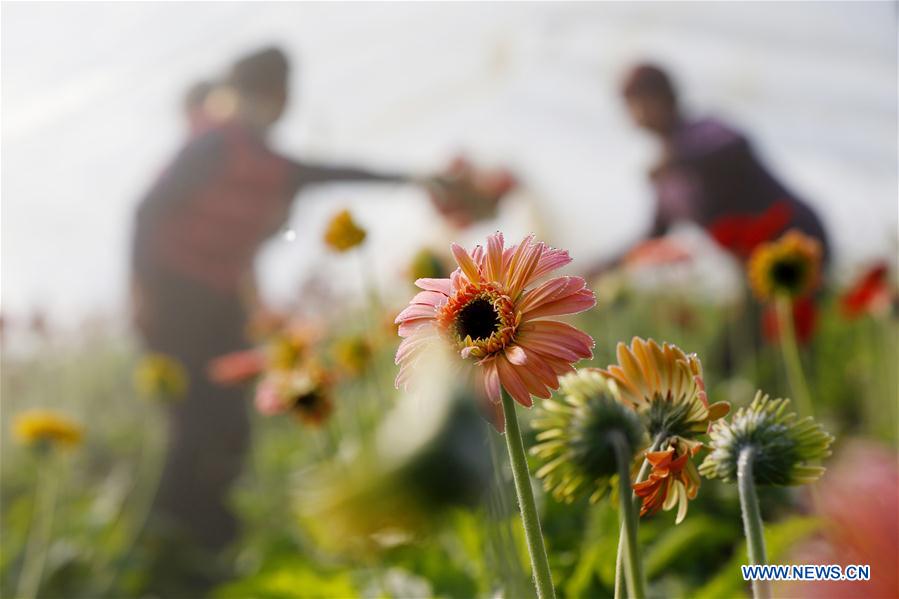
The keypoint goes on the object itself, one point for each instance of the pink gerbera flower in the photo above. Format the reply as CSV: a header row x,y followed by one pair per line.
x,y
486,313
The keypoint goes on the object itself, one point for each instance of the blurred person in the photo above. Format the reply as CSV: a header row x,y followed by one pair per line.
x,y
709,173
198,230
195,100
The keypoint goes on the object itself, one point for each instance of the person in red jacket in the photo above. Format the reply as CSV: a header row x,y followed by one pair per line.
x,y
198,230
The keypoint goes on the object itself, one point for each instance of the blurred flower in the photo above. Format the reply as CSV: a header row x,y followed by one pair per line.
x,y
870,294
46,428
784,444
657,252
575,436
741,234
160,376
353,354
420,467
290,346
305,393
665,385
673,479
342,232
789,267
484,312
857,503
805,317
237,367
428,264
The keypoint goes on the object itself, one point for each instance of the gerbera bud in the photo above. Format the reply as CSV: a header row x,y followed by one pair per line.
x,y
783,445
46,429
161,377
789,267
576,435
343,233
665,385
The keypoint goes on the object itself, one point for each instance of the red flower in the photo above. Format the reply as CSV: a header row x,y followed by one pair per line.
x,y
870,294
805,318
740,234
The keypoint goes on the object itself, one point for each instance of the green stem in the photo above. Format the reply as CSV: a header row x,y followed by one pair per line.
x,y
633,567
622,538
532,533
40,532
790,349
752,518
150,469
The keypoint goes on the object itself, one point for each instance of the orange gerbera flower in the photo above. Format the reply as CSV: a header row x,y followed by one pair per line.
x,y
673,479
486,314
789,266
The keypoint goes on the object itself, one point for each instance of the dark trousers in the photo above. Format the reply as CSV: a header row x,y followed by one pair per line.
x,y
208,429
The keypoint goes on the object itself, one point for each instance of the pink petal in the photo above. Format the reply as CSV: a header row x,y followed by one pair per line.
x,y
550,291
429,298
409,327
411,346
516,355
468,266
556,339
494,263
438,285
541,368
578,302
523,265
491,381
550,261
414,311
512,382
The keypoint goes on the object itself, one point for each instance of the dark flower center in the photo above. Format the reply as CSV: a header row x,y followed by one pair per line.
x,y
787,274
478,319
307,401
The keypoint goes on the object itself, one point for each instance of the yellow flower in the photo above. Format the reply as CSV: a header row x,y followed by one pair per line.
x,y
343,233
160,376
790,267
35,427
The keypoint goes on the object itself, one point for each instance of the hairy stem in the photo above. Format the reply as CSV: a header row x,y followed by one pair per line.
x,y
633,567
532,532
752,519
622,538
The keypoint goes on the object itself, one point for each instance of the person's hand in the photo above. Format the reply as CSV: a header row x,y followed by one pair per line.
x,y
464,194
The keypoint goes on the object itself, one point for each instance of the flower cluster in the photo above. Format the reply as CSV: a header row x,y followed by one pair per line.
x,y
785,446
654,389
